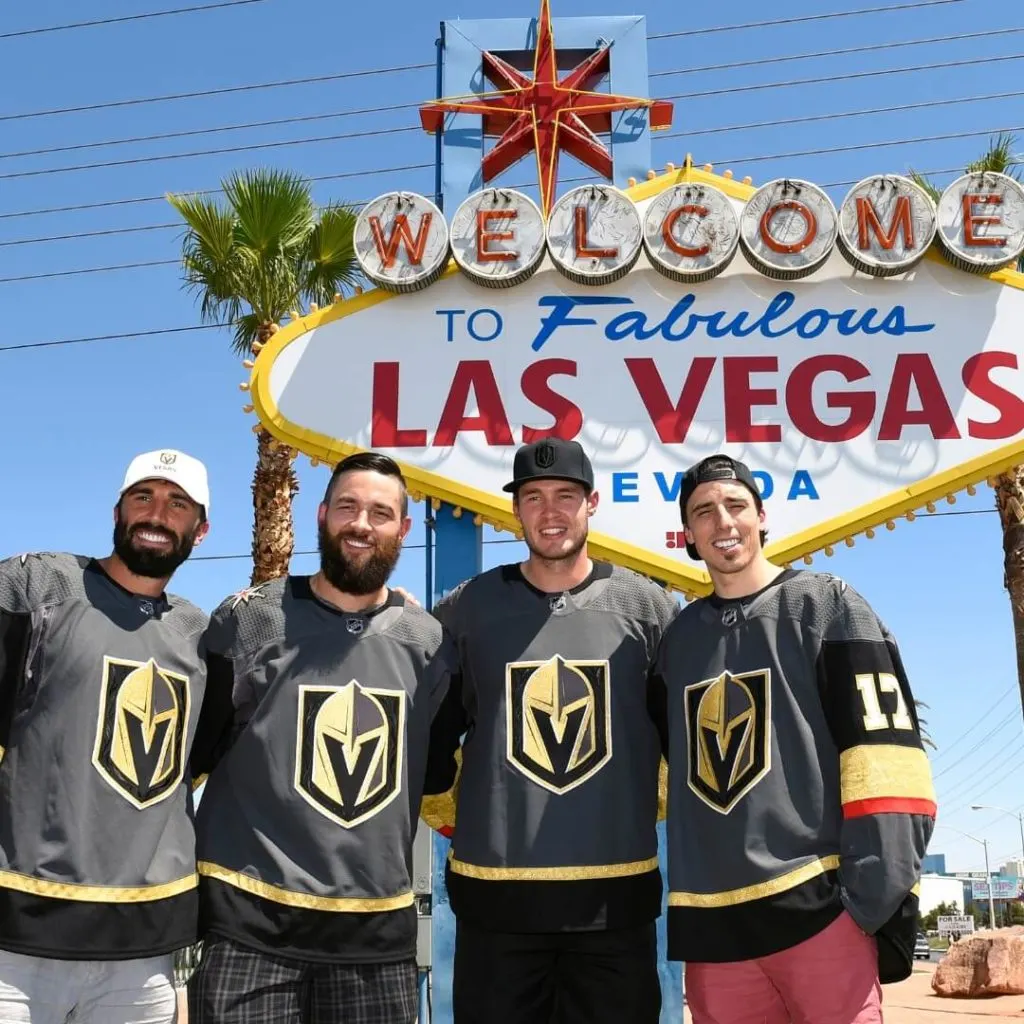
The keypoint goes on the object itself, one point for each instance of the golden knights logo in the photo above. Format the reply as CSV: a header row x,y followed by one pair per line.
x,y
558,720
141,729
728,725
348,761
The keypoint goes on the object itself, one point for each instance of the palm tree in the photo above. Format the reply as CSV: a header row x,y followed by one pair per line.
x,y
1009,486
250,261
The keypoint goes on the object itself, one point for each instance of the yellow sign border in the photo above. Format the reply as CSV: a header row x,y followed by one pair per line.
x,y
497,512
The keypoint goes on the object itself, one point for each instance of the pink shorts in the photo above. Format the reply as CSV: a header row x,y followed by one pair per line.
x,y
832,978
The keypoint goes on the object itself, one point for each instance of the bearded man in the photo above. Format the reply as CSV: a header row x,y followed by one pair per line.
x,y
327,687
101,685
553,875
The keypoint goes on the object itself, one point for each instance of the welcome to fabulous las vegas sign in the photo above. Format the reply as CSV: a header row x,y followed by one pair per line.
x,y
865,361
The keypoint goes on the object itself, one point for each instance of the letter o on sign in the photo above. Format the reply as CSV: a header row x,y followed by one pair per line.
x,y
788,229
497,237
691,232
981,222
594,234
401,241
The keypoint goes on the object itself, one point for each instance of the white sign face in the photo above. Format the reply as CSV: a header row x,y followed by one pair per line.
x,y
691,232
594,234
853,399
981,221
886,224
401,241
497,237
788,229
955,925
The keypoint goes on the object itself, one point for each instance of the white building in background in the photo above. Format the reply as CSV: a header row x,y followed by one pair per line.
x,y
936,889
1013,869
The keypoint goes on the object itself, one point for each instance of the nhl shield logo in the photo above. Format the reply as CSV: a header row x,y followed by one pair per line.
x,y
348,759
558,720
141,728
728,723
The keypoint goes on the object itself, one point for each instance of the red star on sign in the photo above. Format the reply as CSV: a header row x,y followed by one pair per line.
x,y
544,114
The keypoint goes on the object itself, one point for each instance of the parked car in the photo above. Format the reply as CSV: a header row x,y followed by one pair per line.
x,y
922,951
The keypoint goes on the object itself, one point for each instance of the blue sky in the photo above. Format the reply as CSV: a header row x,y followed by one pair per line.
x,y
78,413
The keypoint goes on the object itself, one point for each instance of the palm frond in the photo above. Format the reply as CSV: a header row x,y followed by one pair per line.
x,y
924,182
329,264
247,329
999,157
273,210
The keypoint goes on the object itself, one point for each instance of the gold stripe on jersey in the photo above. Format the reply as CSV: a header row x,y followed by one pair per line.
x,y
880,770
758,891
574,873
438,810
96,893
305,900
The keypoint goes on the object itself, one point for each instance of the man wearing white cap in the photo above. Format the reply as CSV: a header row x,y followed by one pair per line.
x,y
101,683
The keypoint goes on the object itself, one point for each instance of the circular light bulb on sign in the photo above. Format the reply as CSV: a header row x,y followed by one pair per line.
x,y
886,225
401,241
497,237
788,229
981,222
691,232
594,234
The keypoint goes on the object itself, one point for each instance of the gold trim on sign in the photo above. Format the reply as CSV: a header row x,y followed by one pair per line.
x,y
759,891
96,893
554,874
305,900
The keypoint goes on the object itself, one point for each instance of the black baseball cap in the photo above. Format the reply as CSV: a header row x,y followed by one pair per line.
x,y
714,467
551,459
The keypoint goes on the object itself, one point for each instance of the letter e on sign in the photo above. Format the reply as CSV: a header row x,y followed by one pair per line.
x,y
497,237
691,232
788,229
594,234
401,241
981,222
886,225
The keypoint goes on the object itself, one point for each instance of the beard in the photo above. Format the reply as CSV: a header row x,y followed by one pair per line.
x,y
146,561
571,552
362,578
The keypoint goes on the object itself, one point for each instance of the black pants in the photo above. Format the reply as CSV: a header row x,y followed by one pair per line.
x,y
606,977
233,985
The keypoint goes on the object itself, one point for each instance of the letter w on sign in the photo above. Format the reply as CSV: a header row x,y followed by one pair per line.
x,y
401,233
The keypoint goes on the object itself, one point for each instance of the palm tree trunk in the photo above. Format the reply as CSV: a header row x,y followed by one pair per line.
x,y
274,486
1010,503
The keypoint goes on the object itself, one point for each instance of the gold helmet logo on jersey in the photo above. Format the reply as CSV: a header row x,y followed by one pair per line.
x,y
348,762
728,722
141,728
558,721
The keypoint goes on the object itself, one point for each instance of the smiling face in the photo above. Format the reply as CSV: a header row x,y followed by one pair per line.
x,y
555,517
724,523
156,526
361,528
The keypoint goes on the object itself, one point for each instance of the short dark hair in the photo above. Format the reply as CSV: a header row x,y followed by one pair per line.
x,y
372,462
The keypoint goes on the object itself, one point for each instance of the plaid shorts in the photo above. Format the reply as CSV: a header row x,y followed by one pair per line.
x,y
234,985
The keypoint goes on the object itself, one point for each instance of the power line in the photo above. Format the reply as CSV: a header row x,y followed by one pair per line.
x,y
836,53
977,746
981,721
127,17
203,93
88,270
803,18
840,115
109,337
298,554
880,73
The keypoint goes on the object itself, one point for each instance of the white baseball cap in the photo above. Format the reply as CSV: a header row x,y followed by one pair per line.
x,y
167,464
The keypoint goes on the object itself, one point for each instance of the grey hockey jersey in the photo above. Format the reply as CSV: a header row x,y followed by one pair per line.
x,y
798,784
305,827
100,690
557,793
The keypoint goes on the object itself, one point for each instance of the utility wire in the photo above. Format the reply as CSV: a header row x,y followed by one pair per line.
x,y
296,554
137,101
981,721
881,72
803,18
977,746
895,45
273,122
109,337
128,17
